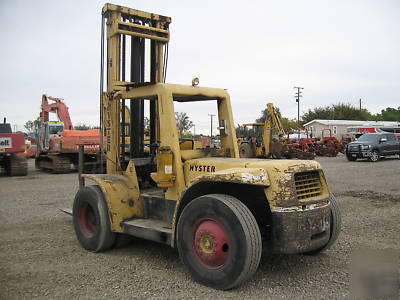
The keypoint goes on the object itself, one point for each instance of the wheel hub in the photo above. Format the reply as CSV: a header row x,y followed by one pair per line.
x,y
211,243
374,156
87,220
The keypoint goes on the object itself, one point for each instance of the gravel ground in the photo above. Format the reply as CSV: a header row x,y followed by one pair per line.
x,y
40,256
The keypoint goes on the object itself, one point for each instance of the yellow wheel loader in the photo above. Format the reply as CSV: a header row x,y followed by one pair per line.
x,y
218,210
264,146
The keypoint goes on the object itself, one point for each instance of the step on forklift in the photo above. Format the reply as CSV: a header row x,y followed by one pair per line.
x,y
218,210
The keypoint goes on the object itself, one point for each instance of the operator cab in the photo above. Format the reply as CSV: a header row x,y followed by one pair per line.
x,y
170,98
254,134
50,129
55,128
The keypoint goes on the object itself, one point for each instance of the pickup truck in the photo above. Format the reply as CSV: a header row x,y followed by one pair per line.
x,y
373,146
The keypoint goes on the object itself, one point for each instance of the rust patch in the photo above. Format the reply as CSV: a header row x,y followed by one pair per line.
x,y
299,232
302,167
285,193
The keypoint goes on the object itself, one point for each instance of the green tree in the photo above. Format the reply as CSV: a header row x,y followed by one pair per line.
x,y
182,122
340,111
245,131
264,114
146,123
389,114
82,126
288,124
32,126
186,135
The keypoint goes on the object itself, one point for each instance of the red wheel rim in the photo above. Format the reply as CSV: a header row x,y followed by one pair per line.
x,y
211,243
87,220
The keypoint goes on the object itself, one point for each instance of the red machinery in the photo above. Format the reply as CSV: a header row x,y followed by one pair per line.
x,y
12,144
302,148
326,146
329,145
58,143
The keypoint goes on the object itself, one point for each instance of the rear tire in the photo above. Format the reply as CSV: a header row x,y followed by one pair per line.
x,y
219,241
245,151
91,220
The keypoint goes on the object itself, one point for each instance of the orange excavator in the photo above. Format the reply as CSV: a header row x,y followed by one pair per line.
x,y
58,142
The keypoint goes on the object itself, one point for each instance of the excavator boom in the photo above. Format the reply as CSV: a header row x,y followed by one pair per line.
x,y
273,116
57,107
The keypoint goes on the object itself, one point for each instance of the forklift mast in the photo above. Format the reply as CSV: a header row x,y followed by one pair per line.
x,y
132,35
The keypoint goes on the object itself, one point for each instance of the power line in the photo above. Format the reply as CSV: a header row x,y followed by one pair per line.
x,y
297,96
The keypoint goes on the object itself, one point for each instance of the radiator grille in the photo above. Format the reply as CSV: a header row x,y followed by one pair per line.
x,y
354,147
308,185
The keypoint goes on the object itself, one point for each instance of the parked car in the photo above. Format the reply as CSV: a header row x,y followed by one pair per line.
x,y
373,146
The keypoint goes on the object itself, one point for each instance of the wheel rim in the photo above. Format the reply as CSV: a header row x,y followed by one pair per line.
x,y
87,220
211,244
374,156
243,152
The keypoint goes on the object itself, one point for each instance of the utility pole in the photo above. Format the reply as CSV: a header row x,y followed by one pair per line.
x,y
360,103
297,97
211,115
194,130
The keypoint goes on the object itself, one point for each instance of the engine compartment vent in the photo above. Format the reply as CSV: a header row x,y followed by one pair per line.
x,y
308,185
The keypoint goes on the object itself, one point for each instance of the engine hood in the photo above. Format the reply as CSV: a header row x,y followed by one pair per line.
x,y
277,176
201,166
359,143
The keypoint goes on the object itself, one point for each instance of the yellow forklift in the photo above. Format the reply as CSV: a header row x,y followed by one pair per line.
x,y
218,210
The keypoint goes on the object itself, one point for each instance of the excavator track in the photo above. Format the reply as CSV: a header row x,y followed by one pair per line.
x,y
53,163
17,166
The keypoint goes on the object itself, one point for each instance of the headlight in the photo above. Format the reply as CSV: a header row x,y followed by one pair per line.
x,y
195,81
366,147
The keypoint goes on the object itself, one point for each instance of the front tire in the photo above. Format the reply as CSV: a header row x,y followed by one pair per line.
x,y
351,158
374,156
91,220
219,241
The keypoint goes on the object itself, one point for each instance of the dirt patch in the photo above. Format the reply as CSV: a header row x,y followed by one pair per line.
x,y
41,258
375,197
